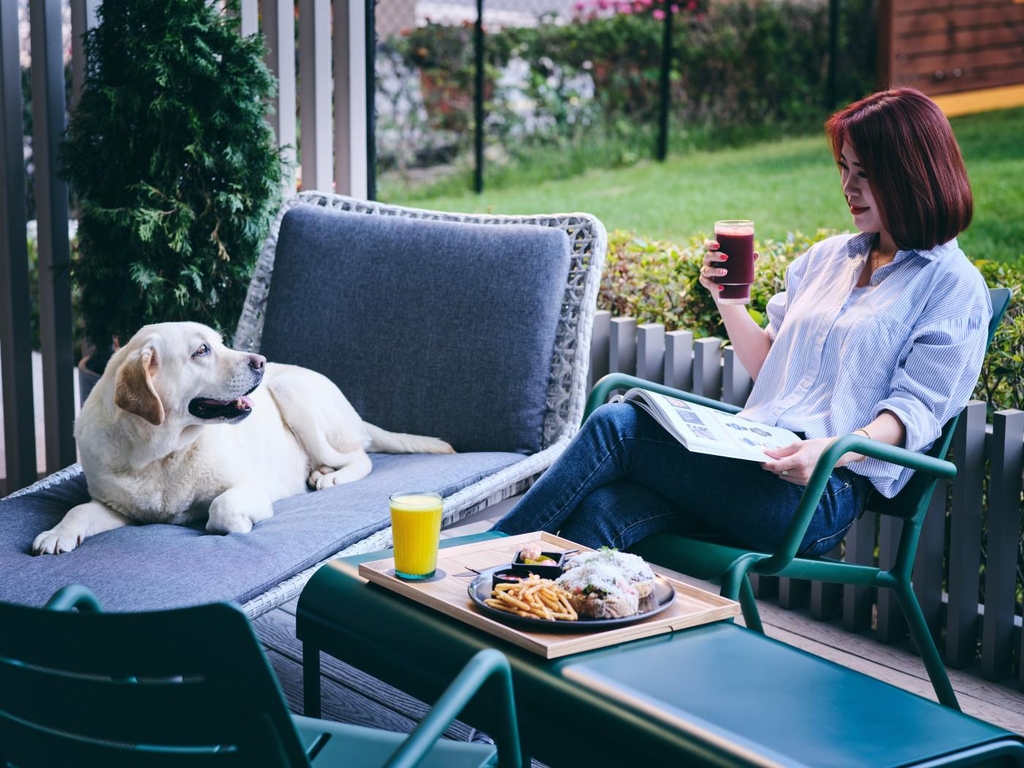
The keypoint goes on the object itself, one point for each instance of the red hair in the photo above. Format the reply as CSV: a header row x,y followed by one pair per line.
x,y
912,162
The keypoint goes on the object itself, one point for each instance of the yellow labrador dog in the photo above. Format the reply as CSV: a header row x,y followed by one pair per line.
x,y
156,445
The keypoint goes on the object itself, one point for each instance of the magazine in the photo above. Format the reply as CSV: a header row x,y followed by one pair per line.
x,y
707,430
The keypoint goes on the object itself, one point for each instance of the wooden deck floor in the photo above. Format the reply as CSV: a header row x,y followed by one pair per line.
x,y
351,696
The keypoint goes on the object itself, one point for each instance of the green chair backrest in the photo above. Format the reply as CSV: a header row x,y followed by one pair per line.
x,y
915,496
190,687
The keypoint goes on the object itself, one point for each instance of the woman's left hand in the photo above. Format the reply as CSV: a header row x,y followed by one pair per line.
x,y
795,462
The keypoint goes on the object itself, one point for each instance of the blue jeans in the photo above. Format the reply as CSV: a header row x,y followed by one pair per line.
x,y
623,477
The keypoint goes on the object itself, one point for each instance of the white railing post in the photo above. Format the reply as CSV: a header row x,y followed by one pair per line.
x,y
54,248
650,351
83,18
707,367
249,17
679,359
351,171
965,533
622,355
600,345
315,94
736,382
15,323
1003,534
279,33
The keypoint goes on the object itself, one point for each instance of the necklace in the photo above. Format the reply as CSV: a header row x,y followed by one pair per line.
x,y
875,258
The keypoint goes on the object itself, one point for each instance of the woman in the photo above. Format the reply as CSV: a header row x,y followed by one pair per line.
x,y
880,333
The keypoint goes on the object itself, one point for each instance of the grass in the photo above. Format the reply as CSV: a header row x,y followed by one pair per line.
x,y
787,185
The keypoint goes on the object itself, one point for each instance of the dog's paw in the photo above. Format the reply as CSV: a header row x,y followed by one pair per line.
x,y
233,523
439,446
321,478
53,543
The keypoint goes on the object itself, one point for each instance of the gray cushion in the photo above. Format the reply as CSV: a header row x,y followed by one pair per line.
x,y
168,566
435,328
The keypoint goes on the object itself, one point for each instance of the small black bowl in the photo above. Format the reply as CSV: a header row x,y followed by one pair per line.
x,y
505,576
551,569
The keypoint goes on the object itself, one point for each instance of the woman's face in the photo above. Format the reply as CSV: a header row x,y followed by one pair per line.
x,y
860,198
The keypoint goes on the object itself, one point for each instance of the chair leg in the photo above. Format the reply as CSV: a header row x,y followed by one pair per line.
x,y
736,586
748,603
311,694
926,645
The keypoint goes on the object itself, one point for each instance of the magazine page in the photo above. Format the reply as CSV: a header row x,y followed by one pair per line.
x,y
707,430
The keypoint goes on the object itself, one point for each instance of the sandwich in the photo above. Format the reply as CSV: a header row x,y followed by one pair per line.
x,y
598,590
632,568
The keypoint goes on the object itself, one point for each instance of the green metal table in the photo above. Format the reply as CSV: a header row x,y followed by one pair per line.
x,y
713,695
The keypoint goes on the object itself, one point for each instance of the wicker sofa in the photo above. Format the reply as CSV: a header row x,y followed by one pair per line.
x,y
472,328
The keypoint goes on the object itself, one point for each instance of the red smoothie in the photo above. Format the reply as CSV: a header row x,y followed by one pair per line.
x,y
736,239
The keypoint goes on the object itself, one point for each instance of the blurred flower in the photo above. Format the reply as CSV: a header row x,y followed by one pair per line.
x,y
589,10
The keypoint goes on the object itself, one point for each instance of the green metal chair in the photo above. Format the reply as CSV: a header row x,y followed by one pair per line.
x,y
192,687
731,566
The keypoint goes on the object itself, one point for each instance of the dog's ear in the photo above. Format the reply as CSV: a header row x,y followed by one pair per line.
x,y
134,390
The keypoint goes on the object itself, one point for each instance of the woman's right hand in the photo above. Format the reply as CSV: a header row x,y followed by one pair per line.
x,y
712,268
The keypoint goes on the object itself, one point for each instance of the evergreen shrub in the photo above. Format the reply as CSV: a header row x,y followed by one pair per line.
x,y
174,171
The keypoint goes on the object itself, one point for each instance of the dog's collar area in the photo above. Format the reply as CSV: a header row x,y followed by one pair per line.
x,y
207,408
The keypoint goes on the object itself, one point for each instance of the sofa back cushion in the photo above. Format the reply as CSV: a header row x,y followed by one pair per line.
x,y
436,328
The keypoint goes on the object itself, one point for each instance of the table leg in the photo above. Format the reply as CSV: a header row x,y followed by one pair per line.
x,y
310,680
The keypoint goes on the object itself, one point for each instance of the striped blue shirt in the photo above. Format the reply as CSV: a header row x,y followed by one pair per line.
x,y
911,342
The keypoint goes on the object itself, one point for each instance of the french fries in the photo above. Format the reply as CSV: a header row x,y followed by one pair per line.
x,y
534,598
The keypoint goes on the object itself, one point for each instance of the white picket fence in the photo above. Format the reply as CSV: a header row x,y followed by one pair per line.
x,y
966,574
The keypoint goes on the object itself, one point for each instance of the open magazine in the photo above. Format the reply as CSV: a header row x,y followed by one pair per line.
x,y
707,430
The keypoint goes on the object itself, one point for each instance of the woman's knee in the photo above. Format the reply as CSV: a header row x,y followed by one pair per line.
x,y
614,416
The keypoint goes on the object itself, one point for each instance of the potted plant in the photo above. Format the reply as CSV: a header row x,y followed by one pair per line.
x,y
174,171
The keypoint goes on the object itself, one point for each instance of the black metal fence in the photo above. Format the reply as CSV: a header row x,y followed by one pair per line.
x,y
473,87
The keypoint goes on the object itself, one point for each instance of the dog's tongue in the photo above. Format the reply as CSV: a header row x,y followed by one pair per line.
x,y
245,401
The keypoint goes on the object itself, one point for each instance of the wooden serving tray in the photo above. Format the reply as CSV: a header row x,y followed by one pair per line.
x,y
449,595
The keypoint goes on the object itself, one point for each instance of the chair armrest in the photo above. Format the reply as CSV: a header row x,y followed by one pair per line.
x,y
484,665
74,596
608,383
919,462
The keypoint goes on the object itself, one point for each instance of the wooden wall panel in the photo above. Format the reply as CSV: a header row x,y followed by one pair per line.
x,y
949,46
954,21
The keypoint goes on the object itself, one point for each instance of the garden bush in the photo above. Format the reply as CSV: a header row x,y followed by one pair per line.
x,y
1002,375
656,281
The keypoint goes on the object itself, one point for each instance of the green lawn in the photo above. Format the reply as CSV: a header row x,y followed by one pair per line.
x,y
784,186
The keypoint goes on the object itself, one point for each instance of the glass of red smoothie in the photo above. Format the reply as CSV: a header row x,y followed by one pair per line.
x,y
735,239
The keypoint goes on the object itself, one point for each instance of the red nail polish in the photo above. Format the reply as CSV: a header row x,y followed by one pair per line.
x,y
725,257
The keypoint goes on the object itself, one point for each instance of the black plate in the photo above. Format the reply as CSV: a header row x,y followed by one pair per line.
x,y
480,589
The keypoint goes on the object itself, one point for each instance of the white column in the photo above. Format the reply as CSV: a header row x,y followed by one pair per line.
x,y
279,32
249,11
55,322
350,136
83,18
15,334
315,95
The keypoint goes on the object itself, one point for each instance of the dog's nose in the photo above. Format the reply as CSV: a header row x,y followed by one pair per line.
x,y
256,362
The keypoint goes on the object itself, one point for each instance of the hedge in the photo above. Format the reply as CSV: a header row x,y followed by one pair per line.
x,y
656,281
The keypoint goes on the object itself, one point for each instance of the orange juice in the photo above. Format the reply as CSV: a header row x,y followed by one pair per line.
x,y
416,529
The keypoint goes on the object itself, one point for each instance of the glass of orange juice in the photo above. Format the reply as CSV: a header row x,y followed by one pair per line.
x,y
416,530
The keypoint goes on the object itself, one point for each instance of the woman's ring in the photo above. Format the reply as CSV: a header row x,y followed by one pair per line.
x,y
785,473
704,270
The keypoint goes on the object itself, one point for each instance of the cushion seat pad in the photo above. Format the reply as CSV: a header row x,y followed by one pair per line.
x,y
151,567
